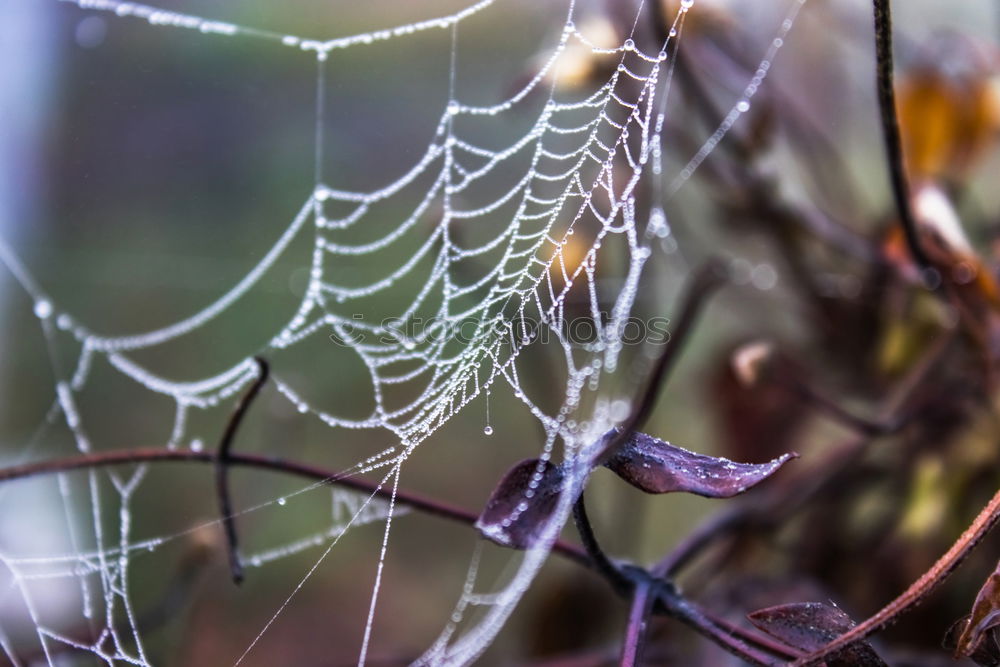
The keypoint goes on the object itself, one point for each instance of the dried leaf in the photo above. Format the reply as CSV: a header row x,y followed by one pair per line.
x,y
948,109
750,360
754,421
809,626
986,652
655,466
521,504
985,616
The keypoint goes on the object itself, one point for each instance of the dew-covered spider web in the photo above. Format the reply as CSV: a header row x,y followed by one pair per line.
x,y
506,212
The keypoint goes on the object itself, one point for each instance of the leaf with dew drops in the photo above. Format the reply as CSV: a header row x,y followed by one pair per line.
x,y
522,503
809,626
655,466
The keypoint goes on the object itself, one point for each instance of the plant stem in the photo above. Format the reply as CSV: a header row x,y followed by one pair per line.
x,y
918,590
832,409
161,455
638,618
757,639
703,535
598,559
890,131
222,469
680,608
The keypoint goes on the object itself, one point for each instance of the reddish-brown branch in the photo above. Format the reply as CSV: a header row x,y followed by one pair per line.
x,y
919,589
160,455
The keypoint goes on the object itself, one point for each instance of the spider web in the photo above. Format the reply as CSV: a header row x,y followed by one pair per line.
x,y
490,248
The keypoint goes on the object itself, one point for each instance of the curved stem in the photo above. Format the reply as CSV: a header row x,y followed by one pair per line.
x,y
918,590
161,455
222,469
890,131
598,559
703,535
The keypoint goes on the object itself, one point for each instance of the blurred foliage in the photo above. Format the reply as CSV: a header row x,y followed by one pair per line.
x,y
170,163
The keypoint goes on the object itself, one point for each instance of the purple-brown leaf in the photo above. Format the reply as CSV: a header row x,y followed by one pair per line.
x,y
655,466
809,626
521,505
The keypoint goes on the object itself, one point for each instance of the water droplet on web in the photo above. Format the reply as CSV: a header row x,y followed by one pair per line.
x,y
197,445
629,45
743,106
282,501
488,430
764,277
43,309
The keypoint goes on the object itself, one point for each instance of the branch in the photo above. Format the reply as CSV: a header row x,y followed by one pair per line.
x,y
158,455
890,131
680,608
222,469
832,409
918,590
638,618
598,559
703,535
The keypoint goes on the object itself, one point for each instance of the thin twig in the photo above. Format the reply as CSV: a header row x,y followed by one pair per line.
x,y
832,409
598,559
890,131
707,279
222,469
757,639
638,618
918,590
160,455
682,609
703,535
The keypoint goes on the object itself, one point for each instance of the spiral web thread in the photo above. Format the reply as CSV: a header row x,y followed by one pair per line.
x,y
587,158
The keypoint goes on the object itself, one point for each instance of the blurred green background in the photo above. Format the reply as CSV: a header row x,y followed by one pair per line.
x,y
145,170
